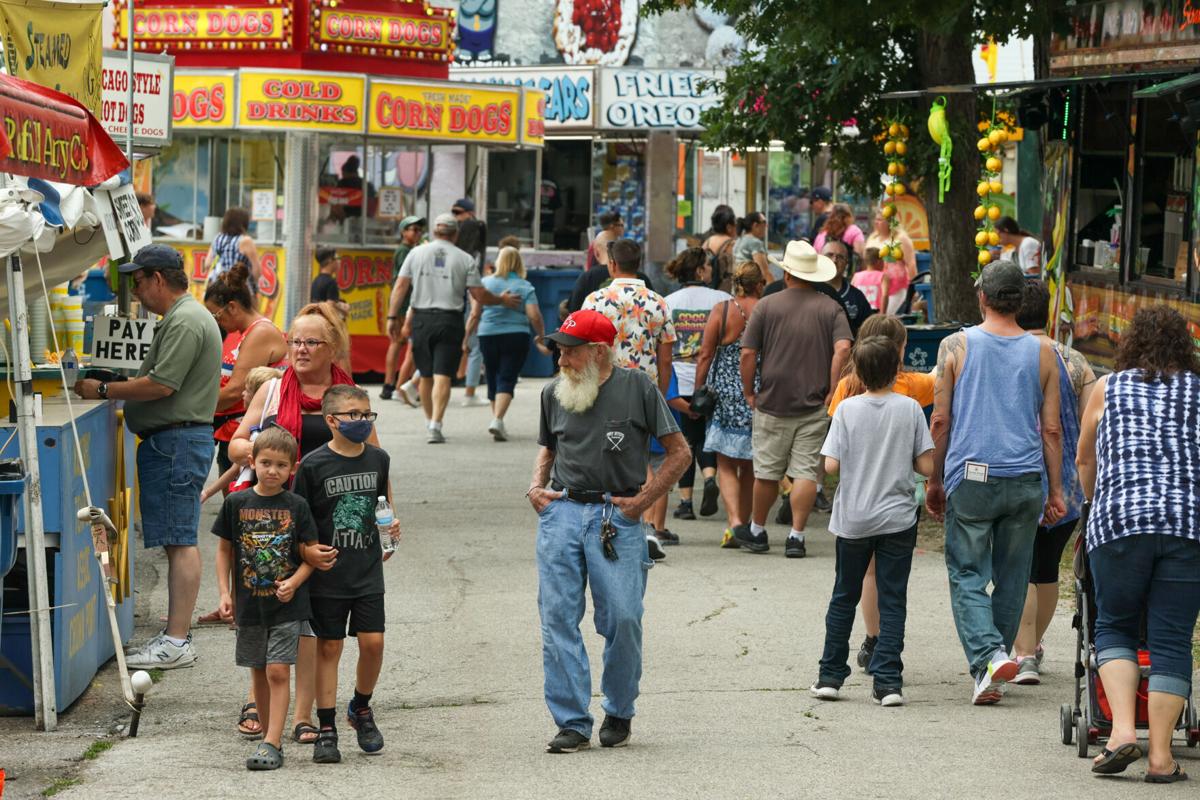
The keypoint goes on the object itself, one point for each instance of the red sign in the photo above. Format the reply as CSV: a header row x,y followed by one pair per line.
x,y
51,136
356,27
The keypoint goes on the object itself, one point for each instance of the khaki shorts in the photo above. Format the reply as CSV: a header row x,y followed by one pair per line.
x,y
788,445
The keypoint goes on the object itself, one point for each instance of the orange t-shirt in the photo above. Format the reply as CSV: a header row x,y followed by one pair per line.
x,y
917,385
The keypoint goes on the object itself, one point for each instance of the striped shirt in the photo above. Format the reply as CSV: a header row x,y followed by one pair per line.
x,y
1147,459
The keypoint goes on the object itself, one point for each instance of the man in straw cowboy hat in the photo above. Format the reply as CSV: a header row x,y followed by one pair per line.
x,y
803,340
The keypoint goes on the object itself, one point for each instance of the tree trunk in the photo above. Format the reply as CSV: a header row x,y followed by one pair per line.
x,y
945,60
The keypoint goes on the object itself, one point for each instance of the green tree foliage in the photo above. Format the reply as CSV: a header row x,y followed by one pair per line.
x,y
811,66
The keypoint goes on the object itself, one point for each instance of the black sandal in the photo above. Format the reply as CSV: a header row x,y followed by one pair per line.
x,y
305,729
1174,776
1116,761
248,715
266,757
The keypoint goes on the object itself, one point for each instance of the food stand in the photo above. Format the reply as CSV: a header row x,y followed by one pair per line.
x,y
324,123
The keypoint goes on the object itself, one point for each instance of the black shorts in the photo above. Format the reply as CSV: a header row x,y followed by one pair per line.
x,y
437,342
329,615
1048,548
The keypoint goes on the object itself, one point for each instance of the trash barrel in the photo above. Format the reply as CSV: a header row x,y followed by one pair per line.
x,y
920,354
552,286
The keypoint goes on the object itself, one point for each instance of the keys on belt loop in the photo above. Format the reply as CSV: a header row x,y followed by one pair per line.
x,y
608,531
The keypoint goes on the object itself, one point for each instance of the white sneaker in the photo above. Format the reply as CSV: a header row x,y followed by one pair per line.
x,y
474,401
824,691
987,692
496,429
1002,668
435,436
158,653
407,394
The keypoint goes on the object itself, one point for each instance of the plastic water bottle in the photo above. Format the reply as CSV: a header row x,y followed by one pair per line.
x,y
70,366
383,519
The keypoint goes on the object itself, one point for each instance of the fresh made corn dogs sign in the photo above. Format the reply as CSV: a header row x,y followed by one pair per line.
x,y
457,113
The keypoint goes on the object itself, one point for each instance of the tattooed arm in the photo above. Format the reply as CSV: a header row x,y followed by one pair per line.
x,y
539,496
1083,378
951,353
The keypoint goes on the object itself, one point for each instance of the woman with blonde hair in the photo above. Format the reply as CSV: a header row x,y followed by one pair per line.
x,y
728,433
504,334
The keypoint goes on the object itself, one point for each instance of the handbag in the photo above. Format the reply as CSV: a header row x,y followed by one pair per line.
x,y
704,399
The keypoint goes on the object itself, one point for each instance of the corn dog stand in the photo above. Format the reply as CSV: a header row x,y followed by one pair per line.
x,y
67,596
325,119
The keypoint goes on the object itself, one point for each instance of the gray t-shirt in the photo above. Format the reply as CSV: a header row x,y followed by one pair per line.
x,y
441,274
607,447
876,439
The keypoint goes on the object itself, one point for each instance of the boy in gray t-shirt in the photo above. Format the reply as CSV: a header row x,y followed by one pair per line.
x,y
876,440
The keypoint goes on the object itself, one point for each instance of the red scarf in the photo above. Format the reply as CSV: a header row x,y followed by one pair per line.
x,y
293,403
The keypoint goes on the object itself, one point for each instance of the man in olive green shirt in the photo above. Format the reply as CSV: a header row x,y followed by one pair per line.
x,y
170,406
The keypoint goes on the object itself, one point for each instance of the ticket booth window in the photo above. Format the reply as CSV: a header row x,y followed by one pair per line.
x,y
344,193
398,174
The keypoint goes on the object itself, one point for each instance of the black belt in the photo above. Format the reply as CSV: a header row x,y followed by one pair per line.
x,y
146,434
459,312
590,497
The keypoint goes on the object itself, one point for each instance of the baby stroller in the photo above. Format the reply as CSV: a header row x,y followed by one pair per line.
x,y
1089,720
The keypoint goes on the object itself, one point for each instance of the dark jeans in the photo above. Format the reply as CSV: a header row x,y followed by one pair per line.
x,y
893,554
693,431
503,356
1159,576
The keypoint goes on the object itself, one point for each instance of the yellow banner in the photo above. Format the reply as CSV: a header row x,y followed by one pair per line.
x,y
460,114
203,99
59,45
533,118
364,279
301,100
270,283
191,23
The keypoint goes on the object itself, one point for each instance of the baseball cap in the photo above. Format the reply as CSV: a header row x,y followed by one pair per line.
x,y
445,222
1001,280
465,203
409,221
154,257
821,193
585,327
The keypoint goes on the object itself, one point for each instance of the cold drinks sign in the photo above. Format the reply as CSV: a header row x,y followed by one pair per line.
x,y
658,99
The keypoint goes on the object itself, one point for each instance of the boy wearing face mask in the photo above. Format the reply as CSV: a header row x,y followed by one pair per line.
x,y
342,482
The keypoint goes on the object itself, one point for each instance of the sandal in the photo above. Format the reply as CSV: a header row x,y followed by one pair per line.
x,y
248,716
1116,761
1174,776
305,733
211,618
267,756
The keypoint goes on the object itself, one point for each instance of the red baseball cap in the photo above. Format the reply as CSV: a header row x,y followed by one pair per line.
x,y
585,327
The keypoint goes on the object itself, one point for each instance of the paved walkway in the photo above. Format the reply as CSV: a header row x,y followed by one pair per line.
x,y
731,645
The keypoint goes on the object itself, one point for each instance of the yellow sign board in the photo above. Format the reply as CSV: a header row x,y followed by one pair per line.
x,y
270,282
533,117
315,101
203,100
239,24
59,45
490,114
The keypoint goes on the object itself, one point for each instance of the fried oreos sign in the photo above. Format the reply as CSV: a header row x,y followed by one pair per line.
x,y
656,99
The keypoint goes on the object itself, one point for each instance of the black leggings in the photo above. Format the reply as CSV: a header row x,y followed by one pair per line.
x,y
1048,548
693,431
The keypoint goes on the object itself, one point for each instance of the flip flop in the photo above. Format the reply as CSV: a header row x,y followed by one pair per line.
x,y
267,756
249,715
211,618
1174,776
1115,761
305,729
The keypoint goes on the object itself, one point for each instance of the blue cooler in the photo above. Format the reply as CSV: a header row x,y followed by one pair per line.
x,y
553,286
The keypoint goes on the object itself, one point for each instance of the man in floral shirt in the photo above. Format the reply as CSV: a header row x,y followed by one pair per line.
x,y
645,335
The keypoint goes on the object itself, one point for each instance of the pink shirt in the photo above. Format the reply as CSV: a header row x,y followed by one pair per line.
x,y
870,283
852,236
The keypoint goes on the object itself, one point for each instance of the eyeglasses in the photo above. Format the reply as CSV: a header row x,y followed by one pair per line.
x,y
458,212
138,280
217,314
308,344
838,259
355,416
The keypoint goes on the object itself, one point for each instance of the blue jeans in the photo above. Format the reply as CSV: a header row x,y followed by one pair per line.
x,y
569,556
990,530
171,468
1158,576
474,356
893,554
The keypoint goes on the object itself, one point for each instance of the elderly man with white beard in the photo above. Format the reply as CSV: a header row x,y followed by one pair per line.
x,y
589,490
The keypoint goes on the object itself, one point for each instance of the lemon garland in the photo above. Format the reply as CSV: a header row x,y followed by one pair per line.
x,y
895,147
991,149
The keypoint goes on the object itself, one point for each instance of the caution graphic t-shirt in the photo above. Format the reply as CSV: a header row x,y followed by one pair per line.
x,y
342,493
266,533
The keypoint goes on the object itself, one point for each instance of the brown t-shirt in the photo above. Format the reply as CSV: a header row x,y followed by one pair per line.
x,y
794,332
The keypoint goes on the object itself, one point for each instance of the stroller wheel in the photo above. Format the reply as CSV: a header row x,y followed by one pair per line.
x,y
1081,736
1066,723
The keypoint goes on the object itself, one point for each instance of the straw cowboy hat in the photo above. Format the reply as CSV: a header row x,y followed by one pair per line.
x,y
802,261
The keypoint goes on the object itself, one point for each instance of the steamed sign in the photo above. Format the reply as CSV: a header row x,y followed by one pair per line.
x,y
152,86
655,99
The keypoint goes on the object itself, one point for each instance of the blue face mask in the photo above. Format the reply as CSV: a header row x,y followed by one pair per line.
x,y
357,430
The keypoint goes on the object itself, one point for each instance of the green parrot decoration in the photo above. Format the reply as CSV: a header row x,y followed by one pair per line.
x,y
940,131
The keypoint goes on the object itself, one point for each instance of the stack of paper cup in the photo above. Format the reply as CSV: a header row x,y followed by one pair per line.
x,y
39,331
73,316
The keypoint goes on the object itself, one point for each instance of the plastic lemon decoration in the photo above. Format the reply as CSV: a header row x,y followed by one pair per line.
x,y
984,144
997,187
981,239
889,148
984,257
901,148
980,213
899,189
993,238
997,138
983,188
889,211
994,164
993,213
